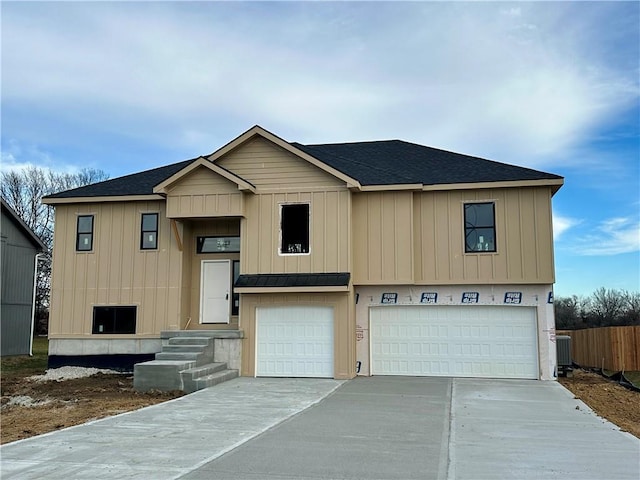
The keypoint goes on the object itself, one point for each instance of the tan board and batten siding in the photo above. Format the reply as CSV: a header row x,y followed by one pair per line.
x,y
203,193
271,168
275,172
418,238
116,272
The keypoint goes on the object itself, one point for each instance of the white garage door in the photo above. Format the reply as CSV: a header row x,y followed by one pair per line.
x,y
294,342
456,341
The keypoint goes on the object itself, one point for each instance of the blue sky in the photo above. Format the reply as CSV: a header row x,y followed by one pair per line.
x,y
554,86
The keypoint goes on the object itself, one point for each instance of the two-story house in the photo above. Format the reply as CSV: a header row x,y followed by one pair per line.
x,y
371,258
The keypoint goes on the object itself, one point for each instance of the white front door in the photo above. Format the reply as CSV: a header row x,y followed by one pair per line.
x,y
215,295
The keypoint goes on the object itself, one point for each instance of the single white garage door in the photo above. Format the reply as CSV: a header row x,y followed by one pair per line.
x,y
454,341
294,342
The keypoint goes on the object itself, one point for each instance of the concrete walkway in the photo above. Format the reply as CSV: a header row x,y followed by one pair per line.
x,y
369,428
167,440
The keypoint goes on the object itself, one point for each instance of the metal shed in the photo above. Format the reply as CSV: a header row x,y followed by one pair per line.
x,y
19,249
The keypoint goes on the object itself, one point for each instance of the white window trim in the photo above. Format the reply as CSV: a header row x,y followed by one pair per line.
x,y
286,254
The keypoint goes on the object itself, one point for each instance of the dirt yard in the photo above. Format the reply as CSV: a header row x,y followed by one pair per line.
x,y
30,407
614,402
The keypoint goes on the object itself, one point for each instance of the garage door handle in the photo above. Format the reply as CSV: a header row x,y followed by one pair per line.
x,y
227,296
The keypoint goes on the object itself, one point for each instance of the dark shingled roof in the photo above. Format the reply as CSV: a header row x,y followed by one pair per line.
x,y
141,183
397,162
387,162
294,280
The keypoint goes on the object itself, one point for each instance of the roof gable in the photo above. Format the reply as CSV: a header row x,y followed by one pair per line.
x,y
289,147
201,162
270,167
23,227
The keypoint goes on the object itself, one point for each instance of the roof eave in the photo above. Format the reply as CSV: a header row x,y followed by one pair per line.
x,y
102,198
306,289
555,184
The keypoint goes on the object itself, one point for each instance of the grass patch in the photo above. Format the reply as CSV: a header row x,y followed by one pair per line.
x,y
27,365
633,377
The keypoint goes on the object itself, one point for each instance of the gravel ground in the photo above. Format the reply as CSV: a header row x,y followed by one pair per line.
x,y
68,373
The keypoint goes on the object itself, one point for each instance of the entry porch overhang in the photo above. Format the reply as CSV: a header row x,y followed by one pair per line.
x,y
293,282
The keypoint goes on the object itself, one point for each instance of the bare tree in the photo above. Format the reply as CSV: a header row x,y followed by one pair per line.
x,y
569,312
632,308
603,308
607,305
23,191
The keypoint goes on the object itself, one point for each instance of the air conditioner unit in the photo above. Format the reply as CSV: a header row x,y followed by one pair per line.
x,y
563,350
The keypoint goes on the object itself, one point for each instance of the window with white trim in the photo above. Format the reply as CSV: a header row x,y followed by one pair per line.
x,y
294,228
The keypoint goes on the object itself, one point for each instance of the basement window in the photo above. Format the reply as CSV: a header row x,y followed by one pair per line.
x,y
479,227
114,320
84,233
294,229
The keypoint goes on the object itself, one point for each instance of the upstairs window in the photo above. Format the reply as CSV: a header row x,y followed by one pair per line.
x,y
294,228
149,231
84,233
479,227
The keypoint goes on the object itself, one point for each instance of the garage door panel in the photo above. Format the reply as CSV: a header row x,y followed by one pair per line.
x,y
496,342
294,342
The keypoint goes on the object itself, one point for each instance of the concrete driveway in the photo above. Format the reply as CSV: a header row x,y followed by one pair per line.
x,y
367,428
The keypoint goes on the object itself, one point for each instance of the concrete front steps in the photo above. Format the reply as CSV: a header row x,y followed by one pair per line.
x,y
185,363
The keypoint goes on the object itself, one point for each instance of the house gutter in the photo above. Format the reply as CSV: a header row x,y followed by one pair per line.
x,y
33,301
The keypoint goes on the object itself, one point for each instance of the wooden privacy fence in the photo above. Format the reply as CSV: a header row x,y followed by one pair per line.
x,y
611,348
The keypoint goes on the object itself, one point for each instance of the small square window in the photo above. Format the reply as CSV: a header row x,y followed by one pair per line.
x,y
294,228
479,227
84,233
149,231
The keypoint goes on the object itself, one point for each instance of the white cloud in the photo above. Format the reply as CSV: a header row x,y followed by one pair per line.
x,y
561,224
514,84
16,156
611,237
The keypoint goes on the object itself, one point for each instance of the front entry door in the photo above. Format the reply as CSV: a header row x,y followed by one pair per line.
x,y
215,283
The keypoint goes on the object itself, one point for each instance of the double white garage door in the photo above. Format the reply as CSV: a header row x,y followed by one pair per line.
x,y
457,341
454,341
